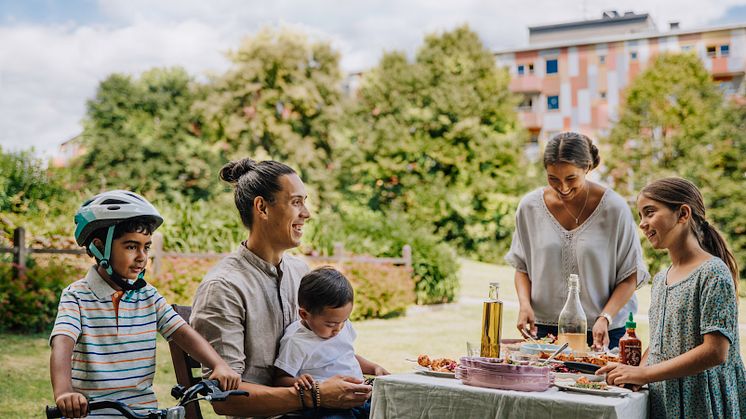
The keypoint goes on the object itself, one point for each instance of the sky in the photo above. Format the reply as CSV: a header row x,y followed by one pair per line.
x,y
53,53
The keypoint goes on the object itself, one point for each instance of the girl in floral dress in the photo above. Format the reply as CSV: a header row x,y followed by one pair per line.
x,y
693,363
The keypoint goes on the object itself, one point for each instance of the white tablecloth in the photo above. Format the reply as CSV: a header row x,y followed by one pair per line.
x,y
420,396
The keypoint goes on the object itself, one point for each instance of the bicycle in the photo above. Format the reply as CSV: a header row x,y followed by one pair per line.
x,y
208,389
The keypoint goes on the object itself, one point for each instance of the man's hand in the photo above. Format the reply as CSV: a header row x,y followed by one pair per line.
x,y
72,405
341,392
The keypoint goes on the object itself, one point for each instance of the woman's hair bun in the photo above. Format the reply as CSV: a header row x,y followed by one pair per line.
x,y
232,171
595,157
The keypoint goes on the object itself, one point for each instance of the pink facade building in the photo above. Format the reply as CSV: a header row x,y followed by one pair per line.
x,y
573,76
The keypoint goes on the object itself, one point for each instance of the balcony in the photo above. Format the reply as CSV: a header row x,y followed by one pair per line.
x,y
525,84
529,119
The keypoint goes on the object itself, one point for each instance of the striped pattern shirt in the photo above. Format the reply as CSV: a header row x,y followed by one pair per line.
x,y
114,354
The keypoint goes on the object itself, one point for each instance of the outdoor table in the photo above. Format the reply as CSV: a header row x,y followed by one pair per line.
x,y
421,396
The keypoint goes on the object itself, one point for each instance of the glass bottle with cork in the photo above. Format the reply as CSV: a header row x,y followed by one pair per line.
x,y
630,347
492,317
572,325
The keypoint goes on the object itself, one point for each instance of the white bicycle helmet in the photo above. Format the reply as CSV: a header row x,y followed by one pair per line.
x,y
106,210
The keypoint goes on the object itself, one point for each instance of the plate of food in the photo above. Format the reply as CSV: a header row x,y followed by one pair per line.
x,y
438,367
584,385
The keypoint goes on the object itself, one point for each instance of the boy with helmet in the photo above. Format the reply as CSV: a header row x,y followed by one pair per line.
x,y
103,341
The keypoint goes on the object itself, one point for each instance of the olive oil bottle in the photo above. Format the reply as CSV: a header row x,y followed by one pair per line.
x,y
492,318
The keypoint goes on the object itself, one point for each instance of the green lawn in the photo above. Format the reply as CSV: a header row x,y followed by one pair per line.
x,y
441,330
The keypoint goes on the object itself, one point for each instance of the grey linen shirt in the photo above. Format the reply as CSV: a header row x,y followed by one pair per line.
x,y
603,251
242,308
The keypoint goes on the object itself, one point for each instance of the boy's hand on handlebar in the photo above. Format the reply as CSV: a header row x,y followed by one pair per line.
x,y
228,379
72,405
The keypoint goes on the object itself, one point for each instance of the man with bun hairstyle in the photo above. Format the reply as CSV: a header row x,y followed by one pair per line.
x,y
103,341
246,301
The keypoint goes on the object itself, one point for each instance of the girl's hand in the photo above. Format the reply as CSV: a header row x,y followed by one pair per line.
x,y
379,370
601,334
618,374
526,320
72,405
228,379
305,381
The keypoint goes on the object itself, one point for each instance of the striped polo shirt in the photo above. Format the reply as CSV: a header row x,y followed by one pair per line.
x,y
114,354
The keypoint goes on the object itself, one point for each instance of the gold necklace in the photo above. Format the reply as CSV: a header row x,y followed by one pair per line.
x,y
577,219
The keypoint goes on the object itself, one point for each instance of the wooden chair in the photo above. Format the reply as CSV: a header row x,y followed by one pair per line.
x,y
183,364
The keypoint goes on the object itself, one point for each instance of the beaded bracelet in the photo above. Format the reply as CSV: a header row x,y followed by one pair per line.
x,y
317,402
314,396
302,395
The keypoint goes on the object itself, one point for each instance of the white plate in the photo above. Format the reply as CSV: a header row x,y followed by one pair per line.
x,y
427,371
612,391
574,376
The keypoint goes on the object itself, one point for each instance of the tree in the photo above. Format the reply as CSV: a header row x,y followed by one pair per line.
x,y
438,139
140,134
279,100
24,182
670,110
675,122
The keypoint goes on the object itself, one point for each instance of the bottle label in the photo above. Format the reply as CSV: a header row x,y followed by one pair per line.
x,y
631,354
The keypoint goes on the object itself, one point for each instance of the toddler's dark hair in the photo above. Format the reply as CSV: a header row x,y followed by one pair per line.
x,y
324,287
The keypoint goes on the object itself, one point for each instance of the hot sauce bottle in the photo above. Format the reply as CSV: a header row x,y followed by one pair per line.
x,y
630,347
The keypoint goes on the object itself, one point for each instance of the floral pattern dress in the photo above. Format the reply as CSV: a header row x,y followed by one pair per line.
x,y
680,315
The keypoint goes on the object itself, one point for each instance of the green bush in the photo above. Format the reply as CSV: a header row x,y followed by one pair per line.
x,y
24,182
29,304
381,290
363,231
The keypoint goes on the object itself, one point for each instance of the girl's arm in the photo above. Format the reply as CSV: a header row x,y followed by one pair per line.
x,y
711,353
369,367
198,348
619,297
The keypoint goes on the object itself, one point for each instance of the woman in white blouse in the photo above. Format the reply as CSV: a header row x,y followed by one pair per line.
x,y
576,226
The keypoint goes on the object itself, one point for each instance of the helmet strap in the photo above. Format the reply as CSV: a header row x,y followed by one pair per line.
x,y
104,261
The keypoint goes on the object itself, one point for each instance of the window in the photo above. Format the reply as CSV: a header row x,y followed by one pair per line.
x,y
552,103
531,68
711,51
520,70
552,66
633,55
602,59
602,94
724,50
686,48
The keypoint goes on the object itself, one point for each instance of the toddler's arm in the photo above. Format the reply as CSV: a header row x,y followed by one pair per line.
x,y
71,403
370,367
283,379
199,349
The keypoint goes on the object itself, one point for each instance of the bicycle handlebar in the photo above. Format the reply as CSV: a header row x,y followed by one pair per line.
x,y
208,388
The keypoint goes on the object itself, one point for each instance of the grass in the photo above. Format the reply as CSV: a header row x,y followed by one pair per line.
x,y
440,330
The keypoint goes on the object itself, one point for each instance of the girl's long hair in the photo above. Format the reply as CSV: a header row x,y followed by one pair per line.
x,y
673,192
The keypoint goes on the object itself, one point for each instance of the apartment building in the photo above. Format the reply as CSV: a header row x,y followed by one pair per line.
x,y
572,76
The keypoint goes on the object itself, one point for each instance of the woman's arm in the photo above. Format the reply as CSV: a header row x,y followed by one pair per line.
x,y
711,353
526,318
619,297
